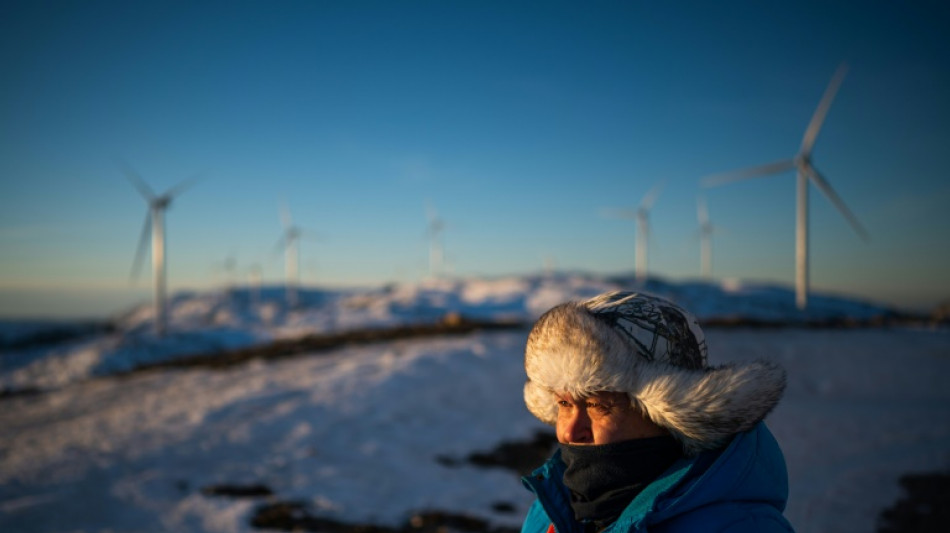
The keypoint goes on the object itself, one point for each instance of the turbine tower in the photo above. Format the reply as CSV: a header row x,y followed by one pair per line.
x,y
705,237
254,276
641,215
288,243
227,268
434,228
155,224
806,172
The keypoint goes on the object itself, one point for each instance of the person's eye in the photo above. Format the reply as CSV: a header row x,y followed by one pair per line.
x,y
599,408
563,403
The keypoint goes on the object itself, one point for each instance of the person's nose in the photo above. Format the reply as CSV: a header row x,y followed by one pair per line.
x,y
577,430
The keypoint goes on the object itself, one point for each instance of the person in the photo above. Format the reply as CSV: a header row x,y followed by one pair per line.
x,y
650,437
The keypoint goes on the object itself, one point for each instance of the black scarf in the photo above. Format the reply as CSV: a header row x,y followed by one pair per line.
x,y
603,479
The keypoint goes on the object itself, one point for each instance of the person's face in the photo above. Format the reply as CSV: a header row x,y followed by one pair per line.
x,y
601,418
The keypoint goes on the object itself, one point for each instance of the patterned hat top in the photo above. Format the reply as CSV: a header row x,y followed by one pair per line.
x,y
662,331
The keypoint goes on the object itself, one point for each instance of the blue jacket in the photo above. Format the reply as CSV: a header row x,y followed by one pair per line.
x,y
741,488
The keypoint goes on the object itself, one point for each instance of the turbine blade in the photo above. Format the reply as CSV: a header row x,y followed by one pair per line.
x,y
183,185
825,188
310,235
136,180
140,250
626,214
651,196
808,141
752,172
281,245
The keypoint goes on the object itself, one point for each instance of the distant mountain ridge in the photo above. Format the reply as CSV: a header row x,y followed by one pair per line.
x,y
509,298
243,323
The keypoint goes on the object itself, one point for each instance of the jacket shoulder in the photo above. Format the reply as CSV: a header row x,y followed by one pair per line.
x,y
536,521
741,489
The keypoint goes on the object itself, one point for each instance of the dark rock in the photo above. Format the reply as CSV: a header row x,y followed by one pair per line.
x,y
503,507
237,491
294,516
925,507
521,457
313,344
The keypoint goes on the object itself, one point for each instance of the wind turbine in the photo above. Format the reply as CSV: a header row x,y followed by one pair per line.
x,y
434,228
155,223
254,276
705,237
227,268
642,217
806,172
289,244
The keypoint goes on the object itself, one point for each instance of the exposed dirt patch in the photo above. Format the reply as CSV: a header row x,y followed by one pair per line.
x,y
925,507
19,393
45,335
238,491
293,516
296,516
452,324
519,456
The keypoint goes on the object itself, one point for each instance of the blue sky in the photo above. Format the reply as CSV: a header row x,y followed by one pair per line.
x,y
518,121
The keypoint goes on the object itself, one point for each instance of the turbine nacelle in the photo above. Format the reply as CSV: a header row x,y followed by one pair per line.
x,y
642,216
162,202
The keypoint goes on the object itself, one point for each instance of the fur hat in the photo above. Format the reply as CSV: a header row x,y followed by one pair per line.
x,y
654,351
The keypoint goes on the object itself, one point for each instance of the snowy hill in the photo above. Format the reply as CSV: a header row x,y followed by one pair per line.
x,y
213,322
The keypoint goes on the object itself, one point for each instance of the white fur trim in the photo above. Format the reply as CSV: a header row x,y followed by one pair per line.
x,y
571,351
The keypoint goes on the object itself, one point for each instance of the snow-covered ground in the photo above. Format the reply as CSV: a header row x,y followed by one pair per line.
x,y
209,322
357,433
